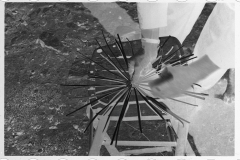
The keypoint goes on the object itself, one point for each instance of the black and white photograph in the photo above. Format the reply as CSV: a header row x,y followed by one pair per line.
x,y
119,78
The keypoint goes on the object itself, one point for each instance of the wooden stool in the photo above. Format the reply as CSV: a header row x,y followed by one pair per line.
x,y
102,138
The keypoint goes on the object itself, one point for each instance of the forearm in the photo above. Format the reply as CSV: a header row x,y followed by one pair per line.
x,y
201,68
150,41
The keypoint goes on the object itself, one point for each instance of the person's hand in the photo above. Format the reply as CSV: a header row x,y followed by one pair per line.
x,y
139,64
172,82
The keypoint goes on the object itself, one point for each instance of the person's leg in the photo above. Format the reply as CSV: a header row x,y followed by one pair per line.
x,y
180,20
217,41
151,16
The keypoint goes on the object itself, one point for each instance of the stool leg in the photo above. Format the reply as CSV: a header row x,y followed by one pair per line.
x,y
98,137
91,129
182,139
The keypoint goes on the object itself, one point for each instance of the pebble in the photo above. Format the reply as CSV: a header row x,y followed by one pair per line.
x,y
75,126
8,129
99,51
80,24
50,118
51,107
53,127
37,127
84,40
65,54
60,107
19,133
56,123
81,130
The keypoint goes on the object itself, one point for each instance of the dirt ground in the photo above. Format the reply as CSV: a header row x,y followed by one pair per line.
x,y
41,40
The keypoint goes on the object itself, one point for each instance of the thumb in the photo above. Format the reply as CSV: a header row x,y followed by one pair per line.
x,y
164,77
134,61
131,66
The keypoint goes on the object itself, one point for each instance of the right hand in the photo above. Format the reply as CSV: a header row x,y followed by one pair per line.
x,y
139,64
172,82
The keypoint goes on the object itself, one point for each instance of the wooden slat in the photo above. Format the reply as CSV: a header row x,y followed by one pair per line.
x,y
135,118
147,150
111,148
98,138
182,133
142,143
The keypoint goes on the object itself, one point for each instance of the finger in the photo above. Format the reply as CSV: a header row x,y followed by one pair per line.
x,y
134,61
163,78
131,65
136,74
141,69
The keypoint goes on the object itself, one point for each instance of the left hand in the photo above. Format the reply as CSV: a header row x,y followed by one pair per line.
x,y
139,64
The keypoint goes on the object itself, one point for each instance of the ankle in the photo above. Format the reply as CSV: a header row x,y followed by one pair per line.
x,y
150,33
150,49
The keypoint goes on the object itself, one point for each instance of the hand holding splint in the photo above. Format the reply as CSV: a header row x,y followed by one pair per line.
x,y
173,81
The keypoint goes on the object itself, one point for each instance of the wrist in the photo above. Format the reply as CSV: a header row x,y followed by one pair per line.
x,y
152,41
150,49
152,33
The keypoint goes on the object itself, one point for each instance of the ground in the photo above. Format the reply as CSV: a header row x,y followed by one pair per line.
x,y
41,40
